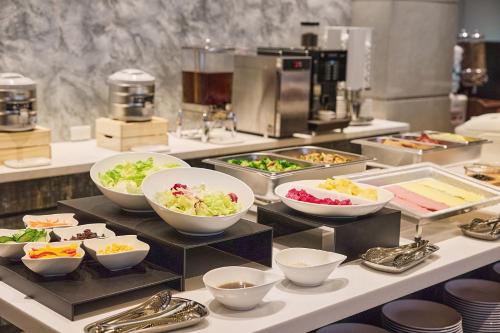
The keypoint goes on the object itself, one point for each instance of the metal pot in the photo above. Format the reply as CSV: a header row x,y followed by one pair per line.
x,y
131,95
17,103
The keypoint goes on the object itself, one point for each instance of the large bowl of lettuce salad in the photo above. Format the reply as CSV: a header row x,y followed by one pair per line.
x,y
119,177
196,201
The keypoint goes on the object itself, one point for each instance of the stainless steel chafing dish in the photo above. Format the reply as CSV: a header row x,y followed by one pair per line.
x,y
442,153
428,170
263,182
354,162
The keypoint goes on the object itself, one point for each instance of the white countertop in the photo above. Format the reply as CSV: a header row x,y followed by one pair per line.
x,y
78,157
351,289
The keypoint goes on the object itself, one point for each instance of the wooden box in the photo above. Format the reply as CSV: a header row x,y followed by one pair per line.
x,y
21,145
121,136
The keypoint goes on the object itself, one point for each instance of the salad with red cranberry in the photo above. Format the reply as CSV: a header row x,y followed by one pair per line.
x,y
199,201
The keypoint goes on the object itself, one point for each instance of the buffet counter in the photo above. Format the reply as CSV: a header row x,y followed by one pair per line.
x,y
352,288
77,157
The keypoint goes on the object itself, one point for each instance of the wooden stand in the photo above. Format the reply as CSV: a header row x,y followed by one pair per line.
x,y
22,145
121,136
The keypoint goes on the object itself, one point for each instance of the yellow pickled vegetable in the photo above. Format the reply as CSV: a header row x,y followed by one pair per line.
x,y
115,248
346,186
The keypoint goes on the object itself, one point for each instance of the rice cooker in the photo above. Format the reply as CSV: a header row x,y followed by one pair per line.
x,y
17,103
486,126
131,95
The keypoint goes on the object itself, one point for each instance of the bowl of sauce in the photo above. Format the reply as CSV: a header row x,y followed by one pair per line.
x,y
239,288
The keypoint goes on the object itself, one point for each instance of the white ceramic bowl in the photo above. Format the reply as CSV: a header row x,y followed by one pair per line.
x,y
67,219
52,266
121,260
243,298
15,250
129,202
64,234
308,267
215,181
360,205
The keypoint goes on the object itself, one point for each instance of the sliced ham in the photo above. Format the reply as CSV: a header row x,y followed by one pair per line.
x,y
411,199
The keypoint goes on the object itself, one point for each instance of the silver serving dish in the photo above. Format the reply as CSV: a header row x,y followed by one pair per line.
x,y
446,152
416,259
356,163
482,229
428,170
263,182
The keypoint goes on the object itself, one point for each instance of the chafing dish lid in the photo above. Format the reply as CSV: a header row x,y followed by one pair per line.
x,y
131,76
15,80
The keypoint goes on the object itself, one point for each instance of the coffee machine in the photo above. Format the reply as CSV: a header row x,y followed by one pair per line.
x,y
207,76
271,93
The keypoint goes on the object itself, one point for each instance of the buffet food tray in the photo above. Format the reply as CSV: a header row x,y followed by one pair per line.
x,y
187,256
296,152
443,153
429,170
90,287
263,182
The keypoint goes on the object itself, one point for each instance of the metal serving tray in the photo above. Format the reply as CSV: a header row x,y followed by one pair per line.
x,y
388,268
295,153
428,170
263,182
441,154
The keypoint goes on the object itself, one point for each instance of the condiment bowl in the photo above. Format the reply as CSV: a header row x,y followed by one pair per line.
x,y
241,298
65,234
128,201
215,181
308,267
53,221
15,250
52,266
360,206
119,260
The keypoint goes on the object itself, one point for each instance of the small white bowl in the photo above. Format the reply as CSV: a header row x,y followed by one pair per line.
x,y
121,260
52,266
67,219
215,181
15,250
243,298
127,201
360,206
308,267
64,234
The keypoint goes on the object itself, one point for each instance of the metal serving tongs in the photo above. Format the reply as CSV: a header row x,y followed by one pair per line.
x,y
152,306
182,311
381,255
491,226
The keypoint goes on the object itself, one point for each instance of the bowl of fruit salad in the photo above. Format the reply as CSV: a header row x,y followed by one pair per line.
x,y
120,177
333,197
196,201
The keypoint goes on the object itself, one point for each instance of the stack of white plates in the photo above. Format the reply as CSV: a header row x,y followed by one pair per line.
x,y
419,316
478,301
351,328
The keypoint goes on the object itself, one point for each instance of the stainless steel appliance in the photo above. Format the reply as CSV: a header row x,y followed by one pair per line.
x,y
207,77
17,103
271,94
131,95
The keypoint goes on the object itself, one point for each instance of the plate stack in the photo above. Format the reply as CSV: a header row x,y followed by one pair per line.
x,y
419,316
351,328
478,301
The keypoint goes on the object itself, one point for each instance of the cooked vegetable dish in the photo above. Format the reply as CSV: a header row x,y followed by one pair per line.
x,y
267,164
325,158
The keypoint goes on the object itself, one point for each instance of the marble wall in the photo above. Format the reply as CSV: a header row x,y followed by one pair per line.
x,y
69,47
